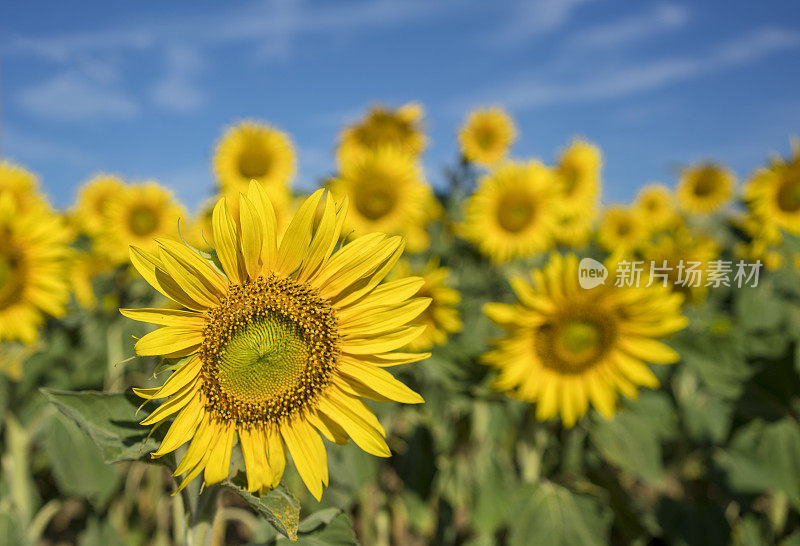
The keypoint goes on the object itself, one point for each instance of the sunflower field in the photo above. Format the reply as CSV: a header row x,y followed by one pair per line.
x,y
484,355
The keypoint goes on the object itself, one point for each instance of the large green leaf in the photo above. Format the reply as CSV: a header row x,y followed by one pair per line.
x,y
550,514
329,527
632,439
278,506
77,463
764,457
110,421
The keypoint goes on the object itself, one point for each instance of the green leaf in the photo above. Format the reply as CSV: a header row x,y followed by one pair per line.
x,y
550,514
278,506
329,527
780,453
632,439
763,457
109,420
759,309
745,472
718,360
77,464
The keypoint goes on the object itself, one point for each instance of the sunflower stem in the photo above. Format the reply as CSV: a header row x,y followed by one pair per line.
x,y
200,532
16,468
114,351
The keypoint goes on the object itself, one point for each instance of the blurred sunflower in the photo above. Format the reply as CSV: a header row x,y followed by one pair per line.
x,y
441,318
655,205
704,188
135,217
254,151
279,345
621,229
578,171
514,212
566,346
91,207
682,249
34,256
487,136
575,225
388,194
22,186
773,193
382,127
83,268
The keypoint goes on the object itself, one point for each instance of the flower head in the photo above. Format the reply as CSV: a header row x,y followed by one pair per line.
x,y
279,339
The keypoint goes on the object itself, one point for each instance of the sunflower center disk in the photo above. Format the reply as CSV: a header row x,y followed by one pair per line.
x,y
706,184
254,162
515,213
263,360
573,344
375,202
268,351
143,221
789,193
11,276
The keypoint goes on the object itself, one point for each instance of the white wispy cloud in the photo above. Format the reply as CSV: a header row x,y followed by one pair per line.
x,y
270,25
530,19
178,89
86,89
528,92
657,20
72,95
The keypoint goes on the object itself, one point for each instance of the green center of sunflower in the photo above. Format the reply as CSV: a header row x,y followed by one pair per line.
x,y
268,351
143,221
570,175
374,201
789,192
515,212
262,360
254,162
624,228
486,138
706,183
11,276
383,127
575,342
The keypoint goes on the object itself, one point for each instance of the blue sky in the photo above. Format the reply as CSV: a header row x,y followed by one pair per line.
x,y
145,88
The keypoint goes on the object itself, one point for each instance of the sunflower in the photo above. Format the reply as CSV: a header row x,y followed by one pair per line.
x,y
279,341
681,250
621,229
22,186
400,128
441,318
654,204
388,193
514,212
773,193
578,171
486,136
84,267
136,216
704,188
34,256
566,346
575,225
91,207
254,151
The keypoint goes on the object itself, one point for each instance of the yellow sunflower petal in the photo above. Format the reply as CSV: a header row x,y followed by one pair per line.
x,y
379,380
